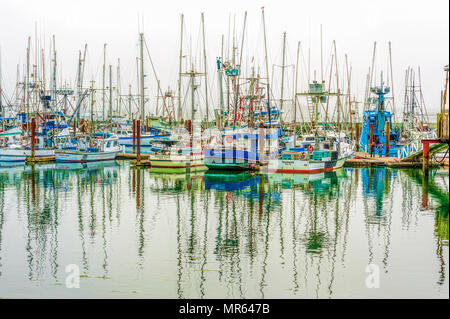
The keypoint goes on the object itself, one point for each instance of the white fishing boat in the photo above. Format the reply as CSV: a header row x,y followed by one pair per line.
x,y
176,157
12,154
11,151
320,157
126,137
99,149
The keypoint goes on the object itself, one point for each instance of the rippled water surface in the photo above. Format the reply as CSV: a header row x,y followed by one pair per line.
x,y
137,234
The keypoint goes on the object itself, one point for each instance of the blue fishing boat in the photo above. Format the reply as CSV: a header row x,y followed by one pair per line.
x,y
238,149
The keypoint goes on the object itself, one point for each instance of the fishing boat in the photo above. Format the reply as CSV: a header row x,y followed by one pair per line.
x,y
176,157
238,149
12,154
380,137
324,156
104,148
146,139
11,150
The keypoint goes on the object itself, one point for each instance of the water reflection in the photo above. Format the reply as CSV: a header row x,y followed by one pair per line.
x,y
218,235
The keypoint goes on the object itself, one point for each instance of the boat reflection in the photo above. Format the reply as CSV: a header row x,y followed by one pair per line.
x,y
212,234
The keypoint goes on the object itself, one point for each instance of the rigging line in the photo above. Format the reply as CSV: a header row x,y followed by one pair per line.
x,y
154,72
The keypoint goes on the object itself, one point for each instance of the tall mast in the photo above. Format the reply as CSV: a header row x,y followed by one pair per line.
x,y
296,83
282,73
138,85
103,87
219,74
337,85
240,64
321,56
78,86
142,78
110,94
180,70
392,80
129,100
373,62
118,88
349,97
206,79
54,72
28,79
92,102
267,65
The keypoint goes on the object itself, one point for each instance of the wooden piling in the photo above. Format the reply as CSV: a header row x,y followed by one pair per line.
x,y
371,139
33,137
426,157
424,191
388,135
261,142
357,136
134,136
138,147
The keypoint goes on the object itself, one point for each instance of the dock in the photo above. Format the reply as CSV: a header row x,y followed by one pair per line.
x,y
364,159
40,159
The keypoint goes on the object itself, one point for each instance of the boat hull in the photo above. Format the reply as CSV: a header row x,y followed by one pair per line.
x,y
40,153
12,156
84,157
176,164
304,166
229,159
144,140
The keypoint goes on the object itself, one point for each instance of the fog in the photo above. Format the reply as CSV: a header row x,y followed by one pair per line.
x,y
417,30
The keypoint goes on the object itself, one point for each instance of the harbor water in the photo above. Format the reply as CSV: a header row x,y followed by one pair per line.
x,y
131,233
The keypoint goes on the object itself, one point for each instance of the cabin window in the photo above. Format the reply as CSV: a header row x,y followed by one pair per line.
x,y
108,144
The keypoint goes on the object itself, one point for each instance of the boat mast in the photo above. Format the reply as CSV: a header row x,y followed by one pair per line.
x,y
110,94
27,92
392,80
219,74
373,63
321,56
267,66
206,79
282,76
78,86
349,97
54,73
338,92
296,83
92,103
141,36
180,69
118,88
103,87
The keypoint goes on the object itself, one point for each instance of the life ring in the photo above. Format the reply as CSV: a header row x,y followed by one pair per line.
x,y
6,139
229,139
94,144
310,148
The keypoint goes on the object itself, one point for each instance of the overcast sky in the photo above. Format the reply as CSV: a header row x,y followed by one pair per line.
x,y
417,29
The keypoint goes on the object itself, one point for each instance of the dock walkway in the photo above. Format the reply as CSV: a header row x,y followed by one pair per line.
x,y
364,159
